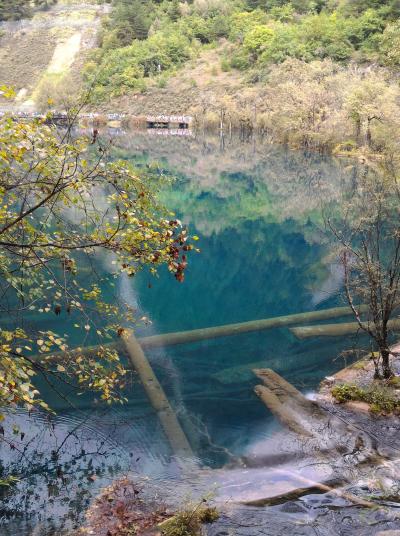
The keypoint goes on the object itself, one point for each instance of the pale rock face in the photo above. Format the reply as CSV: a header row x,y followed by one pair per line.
x,y
22,93
64,54
329,380
358,406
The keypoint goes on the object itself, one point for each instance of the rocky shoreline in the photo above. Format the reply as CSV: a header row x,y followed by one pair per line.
x,y
360,373
340,476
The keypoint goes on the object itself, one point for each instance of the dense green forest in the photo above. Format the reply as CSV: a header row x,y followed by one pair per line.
x,y
146,38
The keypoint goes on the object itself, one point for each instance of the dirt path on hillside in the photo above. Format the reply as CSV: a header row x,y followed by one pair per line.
x,y
50,44
64,54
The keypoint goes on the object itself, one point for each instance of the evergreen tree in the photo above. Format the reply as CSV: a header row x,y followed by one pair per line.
x,y
174,10
20,9
131,20
14,9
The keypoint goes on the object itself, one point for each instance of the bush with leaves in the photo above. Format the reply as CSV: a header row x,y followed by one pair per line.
x,y
62,202
389,49
14,9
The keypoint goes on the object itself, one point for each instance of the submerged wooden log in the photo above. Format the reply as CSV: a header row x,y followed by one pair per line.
x,y
157,396
285,415
330,487
288,395
169,339
296,493
311,486
336,330
327,433
195,335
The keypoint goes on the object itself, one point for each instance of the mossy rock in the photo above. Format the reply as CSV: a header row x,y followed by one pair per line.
x,y
395,381
359,365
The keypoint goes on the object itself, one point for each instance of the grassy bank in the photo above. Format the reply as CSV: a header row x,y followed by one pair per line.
x,y
356,387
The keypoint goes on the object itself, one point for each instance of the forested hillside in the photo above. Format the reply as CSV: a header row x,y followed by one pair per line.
x,y
146,38
320,74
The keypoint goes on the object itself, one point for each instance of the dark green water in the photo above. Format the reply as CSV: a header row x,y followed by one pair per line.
x,y
257,210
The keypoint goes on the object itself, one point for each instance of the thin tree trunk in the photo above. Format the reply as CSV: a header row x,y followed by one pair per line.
x,y
368,134
386,369
358,129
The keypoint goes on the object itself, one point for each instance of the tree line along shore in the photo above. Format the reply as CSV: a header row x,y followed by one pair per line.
x,y
314,74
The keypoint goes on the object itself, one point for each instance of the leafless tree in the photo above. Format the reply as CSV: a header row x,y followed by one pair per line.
x,y
368,233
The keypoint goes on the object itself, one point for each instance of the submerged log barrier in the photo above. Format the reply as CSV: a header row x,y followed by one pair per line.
x,y
308,487
311,486
284,414
306,418
287,393
331,487
157,397
291,407
228,330
336,330
183,337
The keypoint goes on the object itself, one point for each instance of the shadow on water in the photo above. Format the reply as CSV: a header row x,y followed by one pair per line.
x,y
257,210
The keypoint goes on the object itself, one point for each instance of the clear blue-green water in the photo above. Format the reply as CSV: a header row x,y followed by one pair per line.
x,y
258,212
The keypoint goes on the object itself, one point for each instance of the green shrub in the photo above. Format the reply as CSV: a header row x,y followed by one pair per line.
x,y
15,9
346,392
283,13
162,82
242,23
225,65
240,60
285,43
381,398
188,522
390,45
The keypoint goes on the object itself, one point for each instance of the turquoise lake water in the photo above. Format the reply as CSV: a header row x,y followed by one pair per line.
x,y
258,212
